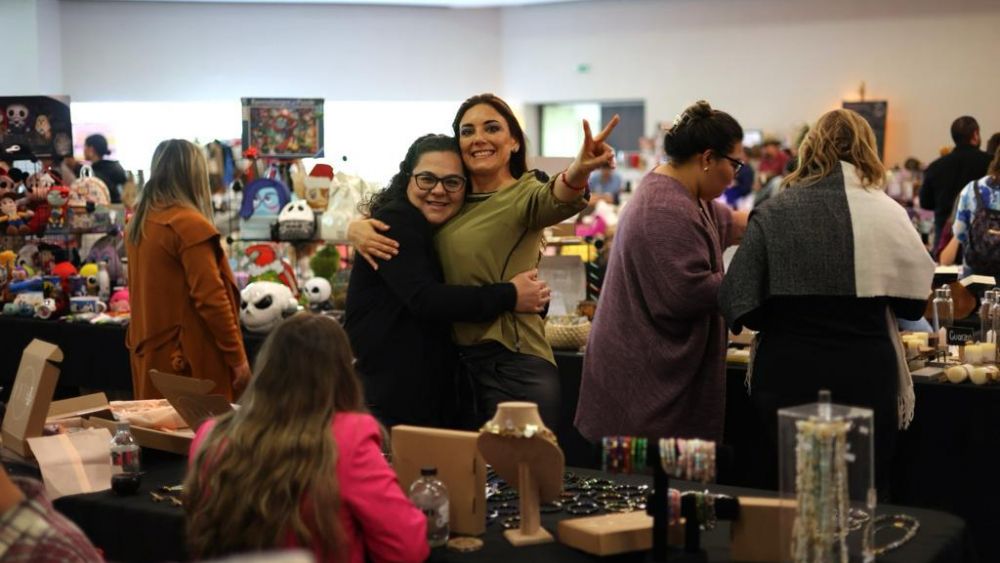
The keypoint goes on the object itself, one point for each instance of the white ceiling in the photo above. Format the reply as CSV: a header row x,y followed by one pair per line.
x,y
435,3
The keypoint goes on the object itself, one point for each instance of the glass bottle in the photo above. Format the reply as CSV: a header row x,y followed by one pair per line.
x,y
103,281
431,496
944,308
124,450
986,314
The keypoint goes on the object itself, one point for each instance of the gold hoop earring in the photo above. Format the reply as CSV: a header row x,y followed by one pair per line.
x,y
705,169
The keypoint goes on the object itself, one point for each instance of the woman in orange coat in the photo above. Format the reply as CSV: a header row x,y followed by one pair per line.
x,y
185,305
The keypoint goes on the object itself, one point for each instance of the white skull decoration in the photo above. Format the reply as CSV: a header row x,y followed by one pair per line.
x,y
264,304
17,117
317,291
297,221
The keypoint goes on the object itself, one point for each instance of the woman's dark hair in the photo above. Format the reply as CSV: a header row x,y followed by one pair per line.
x,y
99,143
397,186
518,160
701,128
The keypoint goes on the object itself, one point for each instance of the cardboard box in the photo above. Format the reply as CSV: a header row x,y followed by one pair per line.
x,y
613,534
29,399
456,456
178,441
190,397
763,531
95,404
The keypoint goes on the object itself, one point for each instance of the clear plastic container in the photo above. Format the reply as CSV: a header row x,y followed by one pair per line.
x,y
125,452
827,469
944,308
431,496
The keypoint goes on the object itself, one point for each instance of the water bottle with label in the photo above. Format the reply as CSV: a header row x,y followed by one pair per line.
x,y
431,497
124,450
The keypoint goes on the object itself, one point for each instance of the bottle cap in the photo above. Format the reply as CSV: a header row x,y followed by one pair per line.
x,y
428,471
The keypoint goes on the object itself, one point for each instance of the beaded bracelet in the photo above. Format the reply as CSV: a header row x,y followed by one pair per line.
x,y
582,508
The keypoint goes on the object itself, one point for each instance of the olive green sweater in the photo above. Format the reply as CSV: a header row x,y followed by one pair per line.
x,y
493,238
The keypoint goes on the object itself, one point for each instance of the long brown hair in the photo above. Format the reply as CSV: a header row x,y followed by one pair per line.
x,y
267,471
844,135
994,170
178,175
518,164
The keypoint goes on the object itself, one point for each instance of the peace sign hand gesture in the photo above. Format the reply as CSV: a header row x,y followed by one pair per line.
x,y
594,153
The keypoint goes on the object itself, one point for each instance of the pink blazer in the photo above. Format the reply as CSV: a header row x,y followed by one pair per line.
x,y
379,521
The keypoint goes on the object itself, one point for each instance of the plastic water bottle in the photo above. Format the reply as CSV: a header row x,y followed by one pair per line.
x,y
103,281
124,450
431,497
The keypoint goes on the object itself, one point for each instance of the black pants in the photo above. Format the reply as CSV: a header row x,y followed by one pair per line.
x,y
491,374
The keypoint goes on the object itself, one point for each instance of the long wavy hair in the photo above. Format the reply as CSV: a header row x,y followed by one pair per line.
x,y
400,181
518,164
267,471
178,175
844,135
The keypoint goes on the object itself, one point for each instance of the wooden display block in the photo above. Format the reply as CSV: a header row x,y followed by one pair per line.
x,y
763,531
613,534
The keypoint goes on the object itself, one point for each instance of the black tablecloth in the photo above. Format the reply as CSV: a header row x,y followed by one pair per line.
x,y
137,529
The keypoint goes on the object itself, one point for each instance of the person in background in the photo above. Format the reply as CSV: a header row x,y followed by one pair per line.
x,y
946,176
185,305
95,148
399,316
742,187
299,464
993,144
772,160
823,272
974,224
497,234
655,360
32,531
606,183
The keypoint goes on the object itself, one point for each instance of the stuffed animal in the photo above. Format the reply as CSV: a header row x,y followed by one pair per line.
x,y
11,220
119,304
264,305
266,265
318,291
296,221
58,198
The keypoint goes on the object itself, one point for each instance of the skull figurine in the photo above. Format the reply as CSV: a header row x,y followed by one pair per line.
x,y
264,305
297,221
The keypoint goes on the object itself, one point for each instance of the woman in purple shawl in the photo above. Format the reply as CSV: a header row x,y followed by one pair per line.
x,y
655,363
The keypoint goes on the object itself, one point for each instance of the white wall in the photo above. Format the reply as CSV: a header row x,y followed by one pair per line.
x,y
141,51
32,34
773,64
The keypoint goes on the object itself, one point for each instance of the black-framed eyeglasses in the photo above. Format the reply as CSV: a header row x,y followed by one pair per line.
x,y
426,181
737,164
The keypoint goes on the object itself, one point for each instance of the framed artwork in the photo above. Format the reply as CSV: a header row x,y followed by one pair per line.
x,y
33,127
283,127
875,114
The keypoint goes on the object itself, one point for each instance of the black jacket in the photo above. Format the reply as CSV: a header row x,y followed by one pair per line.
x,y
399,321
945,178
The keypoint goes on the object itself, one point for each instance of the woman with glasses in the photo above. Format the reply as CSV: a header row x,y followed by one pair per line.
x,y
498,233
399,316
655,363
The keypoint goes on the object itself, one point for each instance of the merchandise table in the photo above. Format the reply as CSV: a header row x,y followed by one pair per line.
x,y
137,529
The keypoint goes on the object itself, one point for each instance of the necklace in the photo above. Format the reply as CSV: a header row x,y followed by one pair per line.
x,y
905,522
819,534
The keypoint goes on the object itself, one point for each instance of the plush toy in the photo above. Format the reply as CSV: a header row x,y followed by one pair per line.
x,y
28,259
108,249
317,291
263,200
11,220
318,184
17,119
58,198
326,262
264,304
43,128
119,304
296,221
266,265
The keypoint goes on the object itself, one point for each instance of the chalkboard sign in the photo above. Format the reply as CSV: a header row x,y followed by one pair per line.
x,y
874,113
959,335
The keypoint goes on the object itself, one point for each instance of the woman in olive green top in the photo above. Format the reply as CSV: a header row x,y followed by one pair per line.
x,y
497,234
